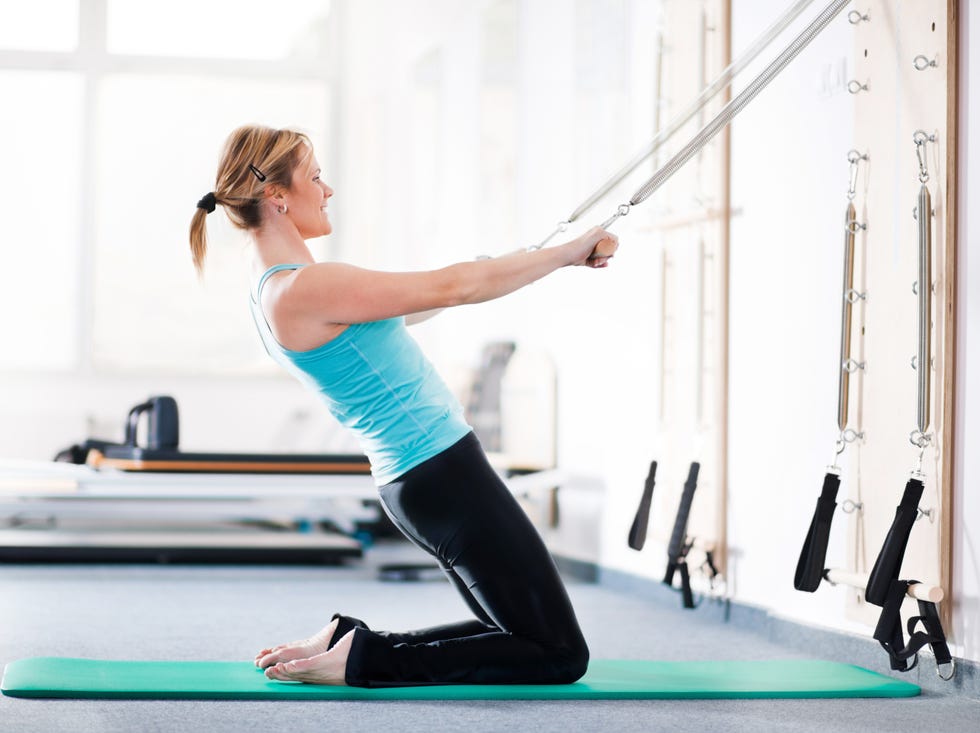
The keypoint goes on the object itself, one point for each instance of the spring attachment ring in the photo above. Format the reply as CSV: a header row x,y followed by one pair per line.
x,y
856,87
856,16
923,62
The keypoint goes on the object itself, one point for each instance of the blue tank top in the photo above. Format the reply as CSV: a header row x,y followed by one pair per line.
x,y
377,382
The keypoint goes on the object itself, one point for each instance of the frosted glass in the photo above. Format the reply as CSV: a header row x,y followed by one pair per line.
x,y
247,29
40,146
39,25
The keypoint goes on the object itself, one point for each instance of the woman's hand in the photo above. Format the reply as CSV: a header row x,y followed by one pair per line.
x,y
594,248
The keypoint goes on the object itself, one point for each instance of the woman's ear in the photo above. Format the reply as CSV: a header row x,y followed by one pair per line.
x,y
274,193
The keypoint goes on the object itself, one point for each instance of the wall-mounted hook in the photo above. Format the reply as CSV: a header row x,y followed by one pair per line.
x,y
849,507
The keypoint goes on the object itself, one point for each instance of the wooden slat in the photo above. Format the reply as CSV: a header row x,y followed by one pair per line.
x,y
98,460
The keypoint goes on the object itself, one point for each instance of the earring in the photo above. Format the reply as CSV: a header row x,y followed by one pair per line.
x,y
282,209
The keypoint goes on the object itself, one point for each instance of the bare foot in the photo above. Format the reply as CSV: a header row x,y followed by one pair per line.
x,y
328,668
316,644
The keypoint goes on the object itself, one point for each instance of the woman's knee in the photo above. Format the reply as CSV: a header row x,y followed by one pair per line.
x,y
572,662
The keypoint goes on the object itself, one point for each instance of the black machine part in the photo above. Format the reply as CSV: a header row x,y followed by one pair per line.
x,y
163,423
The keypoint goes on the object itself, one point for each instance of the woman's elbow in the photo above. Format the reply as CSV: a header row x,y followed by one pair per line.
x,y
458,287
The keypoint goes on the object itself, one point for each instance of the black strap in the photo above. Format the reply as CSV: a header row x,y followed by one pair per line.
x,y
638,532
888,565
813,556
889,634
676,549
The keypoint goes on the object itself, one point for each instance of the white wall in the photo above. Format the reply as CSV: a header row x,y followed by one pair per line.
x,y
789,176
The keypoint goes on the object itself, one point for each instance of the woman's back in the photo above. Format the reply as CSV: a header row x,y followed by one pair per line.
x,y
377,382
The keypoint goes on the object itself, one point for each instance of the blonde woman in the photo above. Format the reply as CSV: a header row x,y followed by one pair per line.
x,y
342,331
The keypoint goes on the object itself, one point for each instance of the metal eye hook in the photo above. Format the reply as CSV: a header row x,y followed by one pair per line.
x,y
853,296
855,16
849,507
922,62
856,87
850,435
930,513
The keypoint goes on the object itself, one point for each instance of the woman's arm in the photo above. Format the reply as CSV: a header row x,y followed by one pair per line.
x,y
340,293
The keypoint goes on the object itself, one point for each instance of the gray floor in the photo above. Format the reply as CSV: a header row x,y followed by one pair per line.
x,y
188,612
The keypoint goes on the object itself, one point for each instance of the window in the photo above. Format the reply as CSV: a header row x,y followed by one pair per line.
x,y
41,153
40,25
110,153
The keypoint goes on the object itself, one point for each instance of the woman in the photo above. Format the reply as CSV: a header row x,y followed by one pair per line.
x,y
341,330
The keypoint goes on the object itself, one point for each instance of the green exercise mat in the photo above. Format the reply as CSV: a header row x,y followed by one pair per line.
x,y
49,677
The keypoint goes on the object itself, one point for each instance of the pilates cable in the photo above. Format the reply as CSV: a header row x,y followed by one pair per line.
x,y
812,562
721,83
884,588
729,111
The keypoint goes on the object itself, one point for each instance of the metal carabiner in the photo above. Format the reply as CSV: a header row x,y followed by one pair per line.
x,y
952,670
853,158
920,138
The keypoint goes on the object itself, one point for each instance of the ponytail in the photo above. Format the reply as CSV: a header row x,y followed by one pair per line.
x,y
254,157
199,239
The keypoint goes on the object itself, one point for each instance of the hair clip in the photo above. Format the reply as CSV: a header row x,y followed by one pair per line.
x,y
258,174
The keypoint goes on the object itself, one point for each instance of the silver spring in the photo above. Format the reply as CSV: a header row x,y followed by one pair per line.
x,y
730,110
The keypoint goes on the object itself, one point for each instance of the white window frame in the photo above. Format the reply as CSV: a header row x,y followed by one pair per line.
x,y
92,61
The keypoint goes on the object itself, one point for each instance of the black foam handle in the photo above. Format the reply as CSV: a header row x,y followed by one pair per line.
x,y
638,531
813,556
888,564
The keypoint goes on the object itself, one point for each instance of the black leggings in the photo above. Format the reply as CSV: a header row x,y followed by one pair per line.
x,y
455,507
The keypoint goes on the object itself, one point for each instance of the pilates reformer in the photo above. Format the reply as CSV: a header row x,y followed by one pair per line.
x,y
151,502
103,501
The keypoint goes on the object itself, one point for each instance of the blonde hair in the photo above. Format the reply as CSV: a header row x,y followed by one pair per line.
x,y
254,157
